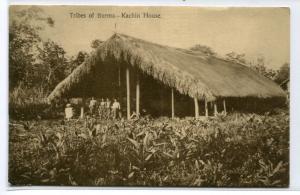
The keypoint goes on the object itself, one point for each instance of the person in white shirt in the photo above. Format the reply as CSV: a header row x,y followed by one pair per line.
x,y
92,105
102,103
69,112
115,108
107,103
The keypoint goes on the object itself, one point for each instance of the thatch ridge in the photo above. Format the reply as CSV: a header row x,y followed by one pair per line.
x,y
192,74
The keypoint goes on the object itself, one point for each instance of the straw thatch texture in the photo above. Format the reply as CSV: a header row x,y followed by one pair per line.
x,y
191,74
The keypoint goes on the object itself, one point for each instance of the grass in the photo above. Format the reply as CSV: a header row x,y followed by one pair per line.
x,y
239,150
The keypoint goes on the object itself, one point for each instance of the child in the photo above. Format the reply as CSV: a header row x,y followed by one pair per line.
x,y
69,112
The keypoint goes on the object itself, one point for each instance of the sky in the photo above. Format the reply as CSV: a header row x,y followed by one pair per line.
x,y
254,31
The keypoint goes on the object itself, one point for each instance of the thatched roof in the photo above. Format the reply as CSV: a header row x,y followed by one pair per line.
x,y
192,74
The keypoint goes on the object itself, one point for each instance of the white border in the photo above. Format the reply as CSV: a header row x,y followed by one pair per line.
x,y
295,88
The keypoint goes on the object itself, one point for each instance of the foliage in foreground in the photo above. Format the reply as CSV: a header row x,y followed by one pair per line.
x,y
233,151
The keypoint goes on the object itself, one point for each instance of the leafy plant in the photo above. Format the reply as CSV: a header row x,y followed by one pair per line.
x,y
237,150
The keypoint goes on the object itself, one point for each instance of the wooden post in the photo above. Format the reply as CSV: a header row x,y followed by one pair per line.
x,y
82,108
206,108
172,103
82,112
119,75
196,108
137,94
224,105
120,91
215,109
128,92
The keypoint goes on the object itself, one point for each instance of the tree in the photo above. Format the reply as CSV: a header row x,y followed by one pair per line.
x,y
235,57
203,49
33,16
283,73
24,41
52,64
96,43
259,66
81,57
76,61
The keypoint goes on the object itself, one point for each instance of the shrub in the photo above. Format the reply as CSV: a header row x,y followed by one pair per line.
x,y
29,103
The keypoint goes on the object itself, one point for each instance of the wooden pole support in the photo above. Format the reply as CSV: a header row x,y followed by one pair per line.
x,y
119,75
82,112
137,94
224,106
82,108
128,92
215,109
206,108
196,108
172,103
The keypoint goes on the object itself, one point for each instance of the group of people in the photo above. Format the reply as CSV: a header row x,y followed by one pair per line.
x,y
106,109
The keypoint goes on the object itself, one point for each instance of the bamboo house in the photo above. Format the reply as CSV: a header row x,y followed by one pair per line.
x,y
166,81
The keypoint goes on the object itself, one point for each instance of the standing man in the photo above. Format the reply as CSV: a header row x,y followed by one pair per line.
x,y
92,105
102,103
101,109
115,108
107,105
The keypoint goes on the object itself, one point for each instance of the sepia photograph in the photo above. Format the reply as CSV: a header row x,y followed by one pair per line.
x,y
149,96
